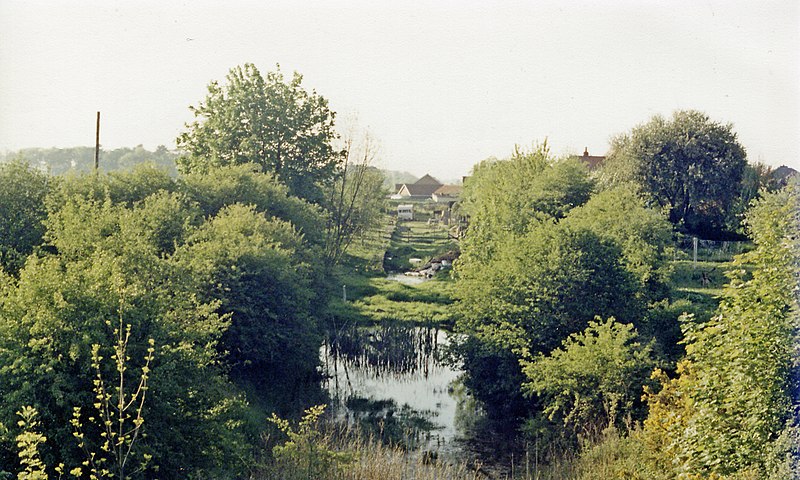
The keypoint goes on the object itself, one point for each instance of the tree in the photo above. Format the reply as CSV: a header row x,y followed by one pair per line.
x,y
730,410
22,211
108,264
504,197
644,234
689,165
354,200
529,275
546,285
538,289
220,187
275,124
253,267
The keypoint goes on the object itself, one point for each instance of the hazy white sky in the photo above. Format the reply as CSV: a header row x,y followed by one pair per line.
x,y
441,84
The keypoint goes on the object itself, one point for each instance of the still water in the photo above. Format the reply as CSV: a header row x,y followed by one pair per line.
x,y
392,380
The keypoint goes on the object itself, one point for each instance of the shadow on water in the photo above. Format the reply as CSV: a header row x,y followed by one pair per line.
x,y
392,424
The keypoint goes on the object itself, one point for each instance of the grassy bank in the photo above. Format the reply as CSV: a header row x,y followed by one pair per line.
x,y
371,297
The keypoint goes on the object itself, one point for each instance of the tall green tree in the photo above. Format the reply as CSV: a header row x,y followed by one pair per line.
x,y
22,211
268,121
688,164
504,197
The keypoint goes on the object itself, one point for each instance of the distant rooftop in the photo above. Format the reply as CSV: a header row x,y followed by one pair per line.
x,y
427,180
592,161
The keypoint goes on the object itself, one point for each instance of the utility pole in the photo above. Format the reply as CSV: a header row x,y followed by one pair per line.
x,y
97,145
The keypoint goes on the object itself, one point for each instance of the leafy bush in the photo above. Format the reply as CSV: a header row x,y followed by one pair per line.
x,y
22,212
307,451
594,380
727,411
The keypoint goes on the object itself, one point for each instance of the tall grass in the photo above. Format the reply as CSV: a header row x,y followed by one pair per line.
x,y
338,451
357,457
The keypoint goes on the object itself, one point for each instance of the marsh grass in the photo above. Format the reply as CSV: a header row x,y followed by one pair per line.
x,y
612,456
701,284
358,457
373,300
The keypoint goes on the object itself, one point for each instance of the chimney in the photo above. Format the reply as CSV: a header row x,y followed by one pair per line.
x,y
585,151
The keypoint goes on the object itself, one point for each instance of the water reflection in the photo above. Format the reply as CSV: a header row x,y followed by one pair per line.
x,y
391,382
402,352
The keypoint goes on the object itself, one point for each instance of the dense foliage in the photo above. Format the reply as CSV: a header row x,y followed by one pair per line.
x,y
22,211
540,260
254,268
64,303
688,164
594,379
216,284
267,121
731,409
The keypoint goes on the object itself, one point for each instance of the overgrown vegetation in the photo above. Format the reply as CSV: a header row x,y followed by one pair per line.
x,y
532,275
209,294
312,452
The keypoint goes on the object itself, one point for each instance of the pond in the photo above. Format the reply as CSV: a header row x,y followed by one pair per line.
x,y
392,381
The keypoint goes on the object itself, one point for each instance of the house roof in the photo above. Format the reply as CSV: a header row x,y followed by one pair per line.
x,y
427,180
449,190
783,172
416,190
591,161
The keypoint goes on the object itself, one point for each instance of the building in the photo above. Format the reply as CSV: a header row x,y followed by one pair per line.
x,y
782,175
447,193
594,162
405,212
434,199
422,189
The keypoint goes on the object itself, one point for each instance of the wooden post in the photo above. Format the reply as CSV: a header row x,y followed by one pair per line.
x,y
97,145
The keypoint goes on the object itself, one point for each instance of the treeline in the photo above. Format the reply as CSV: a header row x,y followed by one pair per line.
x,y
59,161
217,269
571,326
149,323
